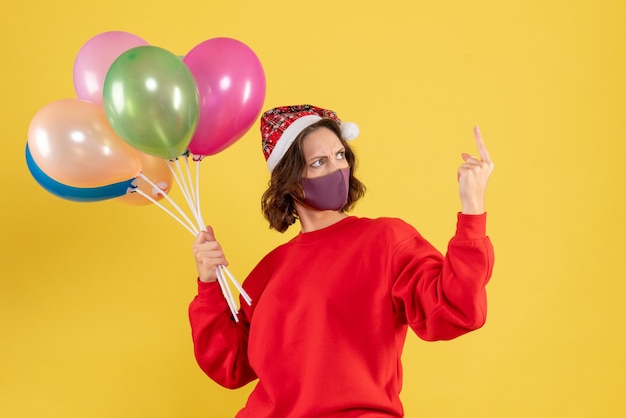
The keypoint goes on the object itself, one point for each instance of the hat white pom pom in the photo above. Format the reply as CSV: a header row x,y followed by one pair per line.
x,y
349,130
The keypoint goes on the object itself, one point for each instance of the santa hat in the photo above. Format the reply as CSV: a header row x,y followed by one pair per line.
x,y
280,127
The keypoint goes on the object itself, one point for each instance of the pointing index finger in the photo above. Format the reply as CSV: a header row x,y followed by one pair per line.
x,y
482,148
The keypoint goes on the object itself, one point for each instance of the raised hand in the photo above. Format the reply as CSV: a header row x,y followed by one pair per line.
x,y
473,177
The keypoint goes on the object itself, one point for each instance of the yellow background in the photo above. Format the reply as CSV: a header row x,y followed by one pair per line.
x,y
93,296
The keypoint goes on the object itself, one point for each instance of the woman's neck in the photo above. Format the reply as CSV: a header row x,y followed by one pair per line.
x,y
313,219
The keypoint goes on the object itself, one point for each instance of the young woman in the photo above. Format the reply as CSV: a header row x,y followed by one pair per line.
x,y
332,306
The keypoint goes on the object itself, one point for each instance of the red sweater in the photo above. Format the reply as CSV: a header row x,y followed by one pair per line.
x,y
329,316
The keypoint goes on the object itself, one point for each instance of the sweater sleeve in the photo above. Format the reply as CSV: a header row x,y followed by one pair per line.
x,y
443,297
220,343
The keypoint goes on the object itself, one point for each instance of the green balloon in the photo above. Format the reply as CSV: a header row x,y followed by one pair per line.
x,y
151,100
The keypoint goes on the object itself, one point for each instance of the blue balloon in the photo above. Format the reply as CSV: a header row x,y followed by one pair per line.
x,y
76,194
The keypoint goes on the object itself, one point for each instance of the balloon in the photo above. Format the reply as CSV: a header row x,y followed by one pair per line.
x,y
72,142
76,194
157,171
151,100
94,59
231,85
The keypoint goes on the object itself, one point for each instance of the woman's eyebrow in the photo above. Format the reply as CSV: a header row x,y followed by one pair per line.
x,y
321,156
316,157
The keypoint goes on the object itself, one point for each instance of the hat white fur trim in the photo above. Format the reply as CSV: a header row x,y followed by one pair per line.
x,y
287,138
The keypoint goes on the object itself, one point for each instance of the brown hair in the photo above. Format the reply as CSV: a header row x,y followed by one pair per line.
x,y
277,202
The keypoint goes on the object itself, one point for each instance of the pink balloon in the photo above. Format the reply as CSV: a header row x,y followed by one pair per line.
x,y
94,59
231,86
72,141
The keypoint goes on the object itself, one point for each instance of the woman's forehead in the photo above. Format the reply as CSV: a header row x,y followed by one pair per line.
x,y
321,140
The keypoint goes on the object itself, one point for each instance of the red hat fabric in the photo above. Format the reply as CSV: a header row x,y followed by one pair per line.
x,y
280,127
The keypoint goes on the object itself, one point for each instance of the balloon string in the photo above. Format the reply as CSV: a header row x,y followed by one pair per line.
x,y
228,295
142,193
244,294
180,180
198,192
181,184
192,191
188,193
169,199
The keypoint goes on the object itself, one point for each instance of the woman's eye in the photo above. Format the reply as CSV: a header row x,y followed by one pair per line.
x,y
317,163
341,155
